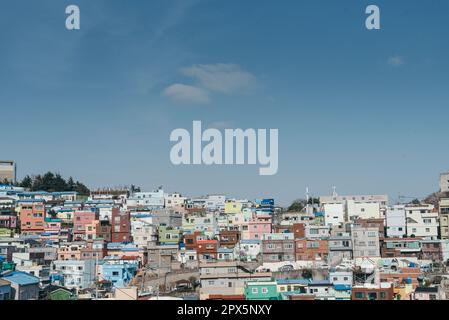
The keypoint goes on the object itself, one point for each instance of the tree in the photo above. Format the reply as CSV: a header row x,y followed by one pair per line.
x,y
27,182
296,206
81,189
59,183
415,202
70,184
54,182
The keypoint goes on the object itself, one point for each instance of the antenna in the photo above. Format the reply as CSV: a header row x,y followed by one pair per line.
x,y
307,199
334,191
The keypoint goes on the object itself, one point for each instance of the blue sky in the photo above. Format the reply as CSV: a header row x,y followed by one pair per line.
x,y
363,110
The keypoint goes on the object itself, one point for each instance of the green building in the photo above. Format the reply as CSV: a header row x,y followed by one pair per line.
x,y
5,233
261,290
168,235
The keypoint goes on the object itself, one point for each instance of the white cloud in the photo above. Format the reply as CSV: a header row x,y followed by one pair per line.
x,y
187,94
396,61
221,77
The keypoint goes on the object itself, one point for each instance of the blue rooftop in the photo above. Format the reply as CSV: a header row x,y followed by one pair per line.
x,y
293,281
342,287
249,241
21,278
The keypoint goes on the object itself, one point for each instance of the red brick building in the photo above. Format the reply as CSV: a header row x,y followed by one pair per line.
x,y
121,226
372,293
311,250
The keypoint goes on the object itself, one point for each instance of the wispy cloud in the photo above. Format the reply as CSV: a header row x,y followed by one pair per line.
x,y
187,94
221,77
396,61
174,16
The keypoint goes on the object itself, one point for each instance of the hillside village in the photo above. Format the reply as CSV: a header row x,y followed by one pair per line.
x,y
129,244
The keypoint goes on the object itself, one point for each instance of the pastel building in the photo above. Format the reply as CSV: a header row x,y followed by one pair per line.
x,y
422,221
250,250
257,227
168,235
32,216
261,290
81,220
76,274
23,285
118,271
396,221
52,229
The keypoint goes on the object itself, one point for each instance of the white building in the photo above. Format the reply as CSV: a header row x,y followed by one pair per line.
x,y
249,250
422,221
340,209
143,233
174,200
77,274
316,231
150,200
341,277
334,214
382,200
362,210
7,171
365,242
395,221
444,182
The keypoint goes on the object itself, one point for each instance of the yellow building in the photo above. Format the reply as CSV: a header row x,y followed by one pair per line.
x,y
233,206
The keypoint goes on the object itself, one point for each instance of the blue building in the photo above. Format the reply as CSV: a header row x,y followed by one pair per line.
x,y
265,205
118,272
24,286
5,290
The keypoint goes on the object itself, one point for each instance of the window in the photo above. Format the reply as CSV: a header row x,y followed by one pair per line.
x,y
115,273
359,295
254,291
264,290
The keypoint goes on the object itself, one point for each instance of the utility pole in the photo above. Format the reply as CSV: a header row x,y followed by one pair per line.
x,y
96,276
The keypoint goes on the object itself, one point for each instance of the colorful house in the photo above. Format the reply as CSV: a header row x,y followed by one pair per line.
x,y
342,291
168,235
118,271
5,290
261,290
32,216
24,286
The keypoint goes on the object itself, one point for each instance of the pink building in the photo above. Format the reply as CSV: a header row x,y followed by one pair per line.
x,y
256,227
52,229
81,220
